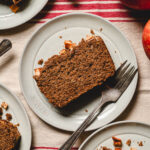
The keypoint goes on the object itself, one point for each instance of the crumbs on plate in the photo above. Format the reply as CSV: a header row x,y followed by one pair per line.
x,y
40,62
118,144
101,29
92,32
128,142
60,37
8,116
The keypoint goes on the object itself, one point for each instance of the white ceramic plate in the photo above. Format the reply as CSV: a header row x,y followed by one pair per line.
x,y
19,115
46,43
8,19
125,130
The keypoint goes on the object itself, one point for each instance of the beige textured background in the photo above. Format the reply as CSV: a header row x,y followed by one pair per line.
x,y
45,135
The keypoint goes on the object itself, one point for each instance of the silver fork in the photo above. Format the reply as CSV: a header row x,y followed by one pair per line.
x,y
123,78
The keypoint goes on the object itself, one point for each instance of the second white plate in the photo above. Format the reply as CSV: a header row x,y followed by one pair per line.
x,y
46,43
135,131
8,19
19,115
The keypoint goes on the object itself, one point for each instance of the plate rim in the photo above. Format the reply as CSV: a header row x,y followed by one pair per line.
x,y
110,125
23,109
26,20
30,39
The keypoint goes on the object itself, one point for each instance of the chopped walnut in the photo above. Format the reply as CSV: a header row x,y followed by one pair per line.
x,y
8,116
37,71
117,142
140,143
14,8
128,142
1,111
68,44
116,139
4,105
92,32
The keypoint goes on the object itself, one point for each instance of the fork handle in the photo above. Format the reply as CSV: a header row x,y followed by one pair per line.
x,y
5,45
73,138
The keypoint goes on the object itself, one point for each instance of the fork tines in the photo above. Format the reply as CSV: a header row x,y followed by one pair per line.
x,y
124,75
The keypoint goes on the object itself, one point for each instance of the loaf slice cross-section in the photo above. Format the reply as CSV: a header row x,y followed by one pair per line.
x,y
78,69
9,136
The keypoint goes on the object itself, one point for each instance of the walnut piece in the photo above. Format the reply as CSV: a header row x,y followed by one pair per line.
x,y
14,8
117,142
140,143
4,105
92,32
69,44
37,72
128,142
8,117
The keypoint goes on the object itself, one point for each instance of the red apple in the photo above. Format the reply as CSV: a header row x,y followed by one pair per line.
x,y
146,39
137,4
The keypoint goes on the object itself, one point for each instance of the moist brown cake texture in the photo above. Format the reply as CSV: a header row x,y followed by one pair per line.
x,y
9,135
65,77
